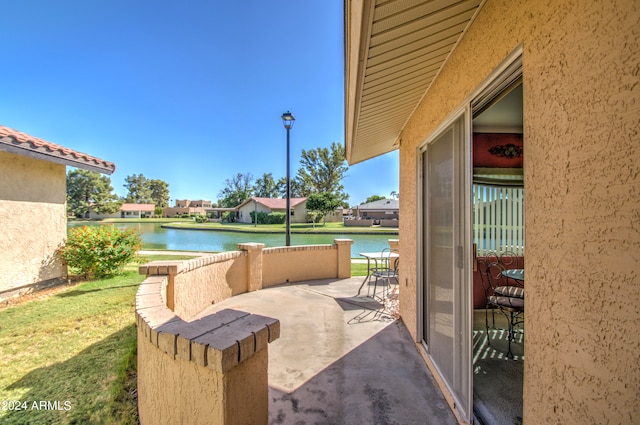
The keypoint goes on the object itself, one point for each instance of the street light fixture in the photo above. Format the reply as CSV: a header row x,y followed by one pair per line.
x,y
287,120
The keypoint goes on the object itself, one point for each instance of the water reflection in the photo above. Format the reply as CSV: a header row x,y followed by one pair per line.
x,y
156,237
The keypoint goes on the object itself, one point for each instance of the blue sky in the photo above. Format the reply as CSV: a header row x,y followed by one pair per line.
x,y
186,92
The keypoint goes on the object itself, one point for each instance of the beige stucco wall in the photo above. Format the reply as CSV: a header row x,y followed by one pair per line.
x,y
306,262
208,371
208,280
242,407
299,213
32,196
201,406
582,196
195,284
178,391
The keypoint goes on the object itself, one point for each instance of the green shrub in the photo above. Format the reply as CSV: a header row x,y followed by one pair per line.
x,y
314,216
262,217
100,251
229,216
276,218
202,219
268,218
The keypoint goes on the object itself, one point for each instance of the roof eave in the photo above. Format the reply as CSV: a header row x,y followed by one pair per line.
x,y
359,16
358,20
8,146
387,46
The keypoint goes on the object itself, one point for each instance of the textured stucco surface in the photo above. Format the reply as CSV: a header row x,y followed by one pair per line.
x,y
248,407
209,280
212,370
294,264
202,406
582,196
177,389
32,213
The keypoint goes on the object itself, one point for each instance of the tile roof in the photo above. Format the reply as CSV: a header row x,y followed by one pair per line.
x,y
274,203
279,203
23,144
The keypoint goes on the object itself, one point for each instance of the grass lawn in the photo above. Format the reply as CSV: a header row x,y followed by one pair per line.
x,y
142,220
331,228
75,349
358,269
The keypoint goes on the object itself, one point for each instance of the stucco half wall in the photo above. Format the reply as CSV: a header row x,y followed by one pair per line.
x,y
34,222
297,263
582,196
213,369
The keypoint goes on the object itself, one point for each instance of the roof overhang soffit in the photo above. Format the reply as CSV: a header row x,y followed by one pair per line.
x,y
394,50
9,144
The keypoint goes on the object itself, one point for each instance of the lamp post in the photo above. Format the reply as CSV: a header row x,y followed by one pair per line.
x,y
287,120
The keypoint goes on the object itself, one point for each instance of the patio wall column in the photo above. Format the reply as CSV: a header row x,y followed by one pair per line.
x,y
254,264
394,244
344,257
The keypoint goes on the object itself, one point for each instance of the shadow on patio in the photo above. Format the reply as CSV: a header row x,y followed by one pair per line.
x,y
340,359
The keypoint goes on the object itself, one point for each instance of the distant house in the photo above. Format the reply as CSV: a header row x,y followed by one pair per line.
x,y
200,203
383,209
269,205
137,210
127,211
185,206
33,208
383,213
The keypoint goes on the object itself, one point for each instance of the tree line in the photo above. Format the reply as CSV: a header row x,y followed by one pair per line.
x,y
88,190
318,178
321,172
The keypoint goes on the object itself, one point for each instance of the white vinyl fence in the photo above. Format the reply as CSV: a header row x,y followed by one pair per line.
x,y
498,219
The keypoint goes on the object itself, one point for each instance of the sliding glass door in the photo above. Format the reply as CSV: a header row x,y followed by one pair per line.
x,y
446,304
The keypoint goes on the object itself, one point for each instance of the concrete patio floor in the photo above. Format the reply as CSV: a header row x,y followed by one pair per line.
x,y
340,359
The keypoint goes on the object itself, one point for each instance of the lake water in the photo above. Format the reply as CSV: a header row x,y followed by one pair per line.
x,y
158,238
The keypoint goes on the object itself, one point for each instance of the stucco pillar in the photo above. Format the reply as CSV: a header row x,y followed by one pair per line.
x,y
394,246
344,257
254,264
